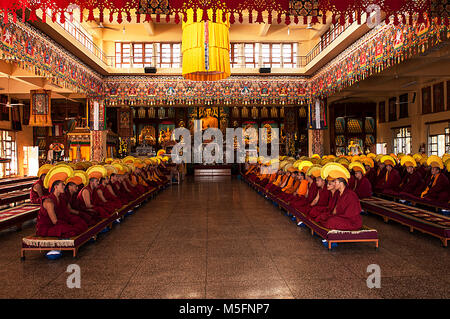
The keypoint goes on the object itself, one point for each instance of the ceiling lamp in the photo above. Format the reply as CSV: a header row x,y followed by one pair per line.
x,y
206,47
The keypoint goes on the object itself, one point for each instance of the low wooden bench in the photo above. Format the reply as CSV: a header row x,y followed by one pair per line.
x,y
16,186
415,218
16,216
365,234
12,180
14,197
31,243
435,207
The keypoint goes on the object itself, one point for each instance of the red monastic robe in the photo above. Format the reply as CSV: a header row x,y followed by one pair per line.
x,y
348,213
363,188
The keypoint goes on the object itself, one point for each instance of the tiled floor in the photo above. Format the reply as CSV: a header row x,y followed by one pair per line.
x,y
213,239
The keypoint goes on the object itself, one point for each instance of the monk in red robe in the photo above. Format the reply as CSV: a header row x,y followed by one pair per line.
x,y
412,183
347,213
71,192
51,220
86,198
305,196
101,199
38,191
322,213
391,180
362,186
321,200
437,190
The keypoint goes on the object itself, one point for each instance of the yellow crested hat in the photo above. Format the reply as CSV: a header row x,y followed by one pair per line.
x,y
96,171
304,166
356,158
161,152
372,155
110,170
128,159
109,160
408,160
435,161
57,173
368,161
287,167
314,171
417,157
44,169
334,171
119,167
357,166
388,160
316,156
445,157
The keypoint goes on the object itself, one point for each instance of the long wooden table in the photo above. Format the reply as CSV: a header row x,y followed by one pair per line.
x,y
15,187
14,197
16,216
12,180
435,207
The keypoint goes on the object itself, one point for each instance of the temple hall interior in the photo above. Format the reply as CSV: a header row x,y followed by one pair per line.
x,y
289,149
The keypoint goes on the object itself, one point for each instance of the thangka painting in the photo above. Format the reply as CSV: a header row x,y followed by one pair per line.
x,y
96,115
318,115
40,108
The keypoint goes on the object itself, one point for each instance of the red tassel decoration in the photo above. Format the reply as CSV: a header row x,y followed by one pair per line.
x,y
101,15
32,17
350,19
259,18
148,17
224,16
158,17
232,18
138,17
195,15
269,18
241,18
111,17
119,17
15,17
358,17
324,17
81,14
314,20
128,16
250,16
167,18
296,19
333,19
91,15
342,19
396,22
62,18
177,18
279,18
185,17
287,20
214,16
54,16
205,15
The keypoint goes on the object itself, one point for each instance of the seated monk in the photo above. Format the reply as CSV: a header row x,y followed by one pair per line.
x,y
112,193
276,183
272,178
86,199
142,180
361,186
305,193
346,215
52,220
38,191
134,191
286,194
289,178
371,172
391,180
134,182
103,198
437,190
380,175
322,213
305,199
71,192
412,183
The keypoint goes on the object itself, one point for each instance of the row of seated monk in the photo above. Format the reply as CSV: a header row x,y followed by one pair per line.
x,y
67,210
421,184
331,202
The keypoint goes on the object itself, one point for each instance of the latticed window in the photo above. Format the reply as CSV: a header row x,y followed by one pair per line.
x,y
8,153
436,145
402,140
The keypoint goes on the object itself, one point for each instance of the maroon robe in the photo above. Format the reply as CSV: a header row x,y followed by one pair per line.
x,y
348,213
302,202
62,228
319,213
439,193
34,196
363,188
324,198
99,209
88,217
352,182
380,175
412,184
371,176
110,207
390,185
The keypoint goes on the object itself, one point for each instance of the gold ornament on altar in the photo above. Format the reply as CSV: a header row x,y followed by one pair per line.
x,y
205,47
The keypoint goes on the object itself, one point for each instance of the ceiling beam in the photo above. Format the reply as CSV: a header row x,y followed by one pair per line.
x,y
263,29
